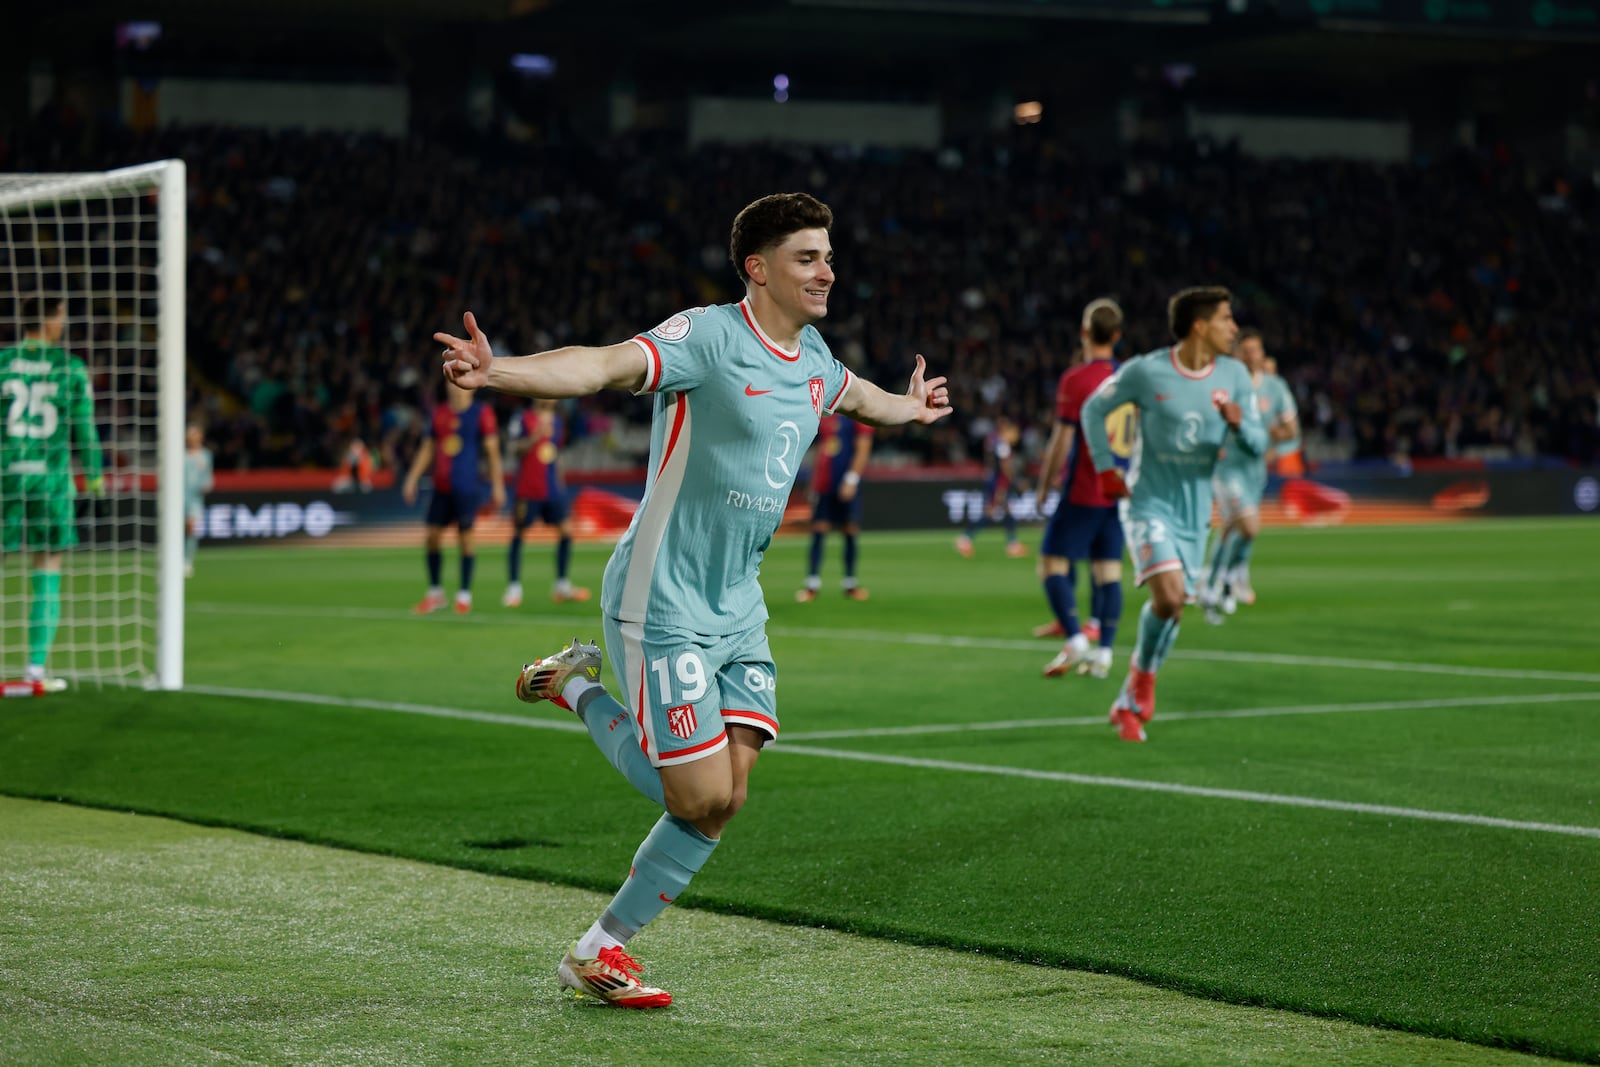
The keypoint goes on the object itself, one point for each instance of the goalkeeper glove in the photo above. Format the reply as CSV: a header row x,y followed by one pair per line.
x,y
1112,487
95,486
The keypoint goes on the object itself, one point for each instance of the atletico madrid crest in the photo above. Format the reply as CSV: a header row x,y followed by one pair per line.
x,y
816,395
681,721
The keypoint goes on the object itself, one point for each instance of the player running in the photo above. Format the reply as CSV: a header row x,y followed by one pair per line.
x,y
739,390
1193,401
1239,483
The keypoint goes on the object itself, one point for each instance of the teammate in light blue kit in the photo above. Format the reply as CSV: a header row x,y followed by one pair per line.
x,y
1193,401
1240,481
197,482
739,390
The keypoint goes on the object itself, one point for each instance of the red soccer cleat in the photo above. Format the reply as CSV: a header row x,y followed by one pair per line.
x,y
575,594
1050,629
611,977
855,592
964,546
806,595
429,604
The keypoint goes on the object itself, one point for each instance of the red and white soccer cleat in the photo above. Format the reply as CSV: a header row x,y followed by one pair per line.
x,y
1135,705
1016,549
574,594
429,604
463,606
1049,629
612,977
544,679
512,597
806,595
1090,630
964,546
855,592
1073,655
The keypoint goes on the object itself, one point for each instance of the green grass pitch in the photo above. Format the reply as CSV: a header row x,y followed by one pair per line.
x,y
1371,798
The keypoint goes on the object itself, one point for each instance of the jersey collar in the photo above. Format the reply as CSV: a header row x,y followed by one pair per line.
x,y
761,335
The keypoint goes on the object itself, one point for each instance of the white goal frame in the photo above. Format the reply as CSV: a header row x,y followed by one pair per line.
x,y
168,179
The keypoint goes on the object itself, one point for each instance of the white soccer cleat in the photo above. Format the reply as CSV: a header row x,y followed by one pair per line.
x,y
513,596
1073,655
544,679
612,978
1098,665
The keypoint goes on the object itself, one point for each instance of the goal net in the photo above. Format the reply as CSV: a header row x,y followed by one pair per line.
x,y
104,253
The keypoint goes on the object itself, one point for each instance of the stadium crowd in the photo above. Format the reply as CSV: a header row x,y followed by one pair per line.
x,y
1440,308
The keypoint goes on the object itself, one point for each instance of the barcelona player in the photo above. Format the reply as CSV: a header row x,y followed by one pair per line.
x,y
1085,523
537,435
461,434
843,446
999,487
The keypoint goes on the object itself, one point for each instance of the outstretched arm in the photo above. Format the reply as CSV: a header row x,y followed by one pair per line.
x,y
577,370
923,401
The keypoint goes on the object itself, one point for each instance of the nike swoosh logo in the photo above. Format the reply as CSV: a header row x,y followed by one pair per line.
x,y
751,390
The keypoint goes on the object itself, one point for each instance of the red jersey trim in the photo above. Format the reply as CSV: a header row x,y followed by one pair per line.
x,y
766,342
742,717
716,742
1172,354
680,402
652,378
833,405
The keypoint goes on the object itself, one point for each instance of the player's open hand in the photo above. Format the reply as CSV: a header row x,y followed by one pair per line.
x,y
1230,412
932,396
466,360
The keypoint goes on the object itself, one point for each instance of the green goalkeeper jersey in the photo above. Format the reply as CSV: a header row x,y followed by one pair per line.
x,y
48,404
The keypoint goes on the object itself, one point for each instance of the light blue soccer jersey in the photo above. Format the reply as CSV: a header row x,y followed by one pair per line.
x,y
1273,401
734,415
1281,403
196,480
1180,432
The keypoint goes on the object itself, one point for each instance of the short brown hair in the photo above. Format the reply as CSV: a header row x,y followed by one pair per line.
x,y
1103,319
37,309
1189,306
764,224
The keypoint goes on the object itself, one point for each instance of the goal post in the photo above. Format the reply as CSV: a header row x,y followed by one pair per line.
x,y
112,246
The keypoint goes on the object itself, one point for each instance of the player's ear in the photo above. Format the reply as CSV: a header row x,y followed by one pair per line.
x,y
755,268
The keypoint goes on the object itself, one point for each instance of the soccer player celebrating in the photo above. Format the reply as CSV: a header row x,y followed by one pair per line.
x,y
49,406
999,486
1193,401
462,431
1238,483
739,390
1085,523
538,434
843,446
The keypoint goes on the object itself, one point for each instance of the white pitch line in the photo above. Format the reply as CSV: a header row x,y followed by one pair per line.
x,y
1182,716
1200,791
933,764
990,644
567,727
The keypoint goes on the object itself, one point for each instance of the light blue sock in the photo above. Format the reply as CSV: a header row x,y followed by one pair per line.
x,y
1242,549
670,856
1156,637
1221,560
611,728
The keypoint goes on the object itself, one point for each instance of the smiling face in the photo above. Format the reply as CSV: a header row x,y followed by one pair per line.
x,y
795,275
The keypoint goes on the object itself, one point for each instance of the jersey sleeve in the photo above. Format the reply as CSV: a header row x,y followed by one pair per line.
x,y
488,423
682,351
1124,387
1068,403
836,381
1251,434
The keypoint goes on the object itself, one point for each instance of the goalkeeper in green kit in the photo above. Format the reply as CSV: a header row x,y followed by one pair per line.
x,y
47,405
